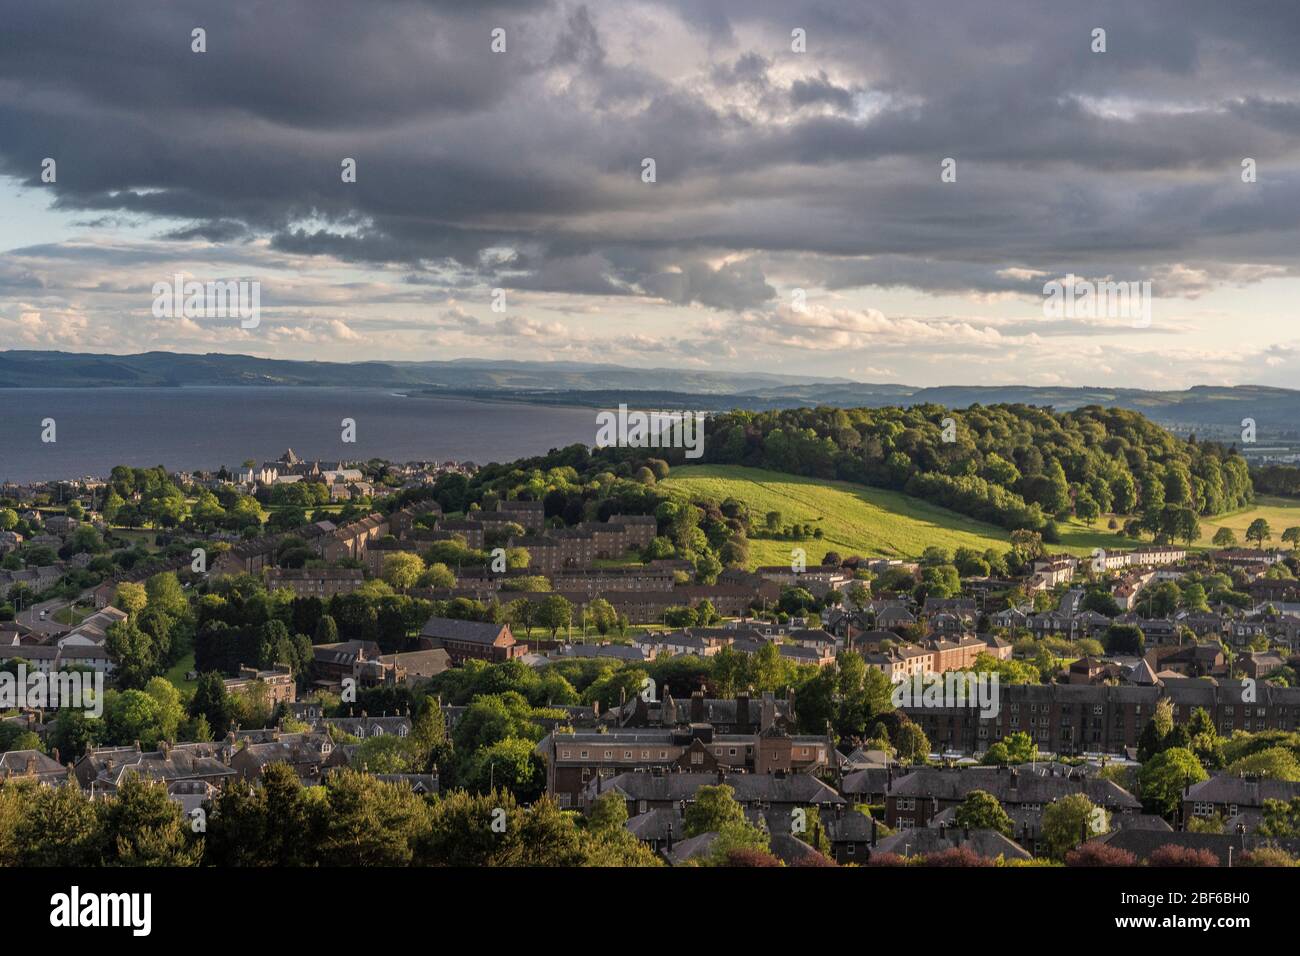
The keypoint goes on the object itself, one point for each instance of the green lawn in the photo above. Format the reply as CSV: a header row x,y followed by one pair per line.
x,y
72,616
177,674
855,519
1280,513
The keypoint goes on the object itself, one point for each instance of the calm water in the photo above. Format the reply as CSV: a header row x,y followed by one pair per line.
x,y
185,428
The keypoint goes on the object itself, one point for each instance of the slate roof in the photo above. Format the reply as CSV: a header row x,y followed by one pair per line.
x,y
1042,788
989,844
1243,791
800,788
450,629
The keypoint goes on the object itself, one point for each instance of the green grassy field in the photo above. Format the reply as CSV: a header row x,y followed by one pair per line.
x,y
855,519
72,615
177,673
1280,513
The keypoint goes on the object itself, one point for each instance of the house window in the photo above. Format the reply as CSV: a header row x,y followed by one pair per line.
x,y
564,754
583,755
627,755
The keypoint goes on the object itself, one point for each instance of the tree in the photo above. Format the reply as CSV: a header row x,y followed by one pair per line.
x,y
130,597
437,575
327,631
740,843
982,811
1124,639
608,812
509,763
429,732
1173,855
367,822
1281,819
1163,777
1259,532
1086,507
714,808
144,827
1066,823
1224,538
1155,735
1277,763
911,743
1292,536
402,570
132,651
1015,748
1099,854
59,828
553,613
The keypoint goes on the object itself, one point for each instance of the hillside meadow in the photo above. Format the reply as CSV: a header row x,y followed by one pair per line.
x,y
855,519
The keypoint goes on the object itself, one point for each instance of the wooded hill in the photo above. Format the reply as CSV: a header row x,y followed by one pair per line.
x,y
1013,465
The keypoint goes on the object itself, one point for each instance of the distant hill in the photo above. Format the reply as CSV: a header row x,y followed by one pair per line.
x,y
1211,411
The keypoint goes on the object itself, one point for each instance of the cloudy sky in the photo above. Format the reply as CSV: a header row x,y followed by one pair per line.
x,y
798,221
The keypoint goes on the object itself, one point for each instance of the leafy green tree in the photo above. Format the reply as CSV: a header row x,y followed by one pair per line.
x,y
144,827
130,597
59,827
1280,819
368,822
402,570
1163,777
911,743
1065,823
1259,532
714,808
982,811
1015,748
735,836
1155,735
553,613
1224,538
1124,639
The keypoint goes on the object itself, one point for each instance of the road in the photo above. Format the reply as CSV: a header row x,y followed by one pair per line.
x,y
32,617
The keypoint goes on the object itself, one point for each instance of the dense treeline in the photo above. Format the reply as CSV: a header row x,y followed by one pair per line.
x,y
351,820
1277,480
1016,465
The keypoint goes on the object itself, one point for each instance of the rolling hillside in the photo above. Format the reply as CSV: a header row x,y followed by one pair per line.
x,y
871,521
1280,513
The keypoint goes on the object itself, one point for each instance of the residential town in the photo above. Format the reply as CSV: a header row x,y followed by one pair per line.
x,y
1142,705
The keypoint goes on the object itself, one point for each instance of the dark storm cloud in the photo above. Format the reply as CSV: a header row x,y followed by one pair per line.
x,y
825,161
